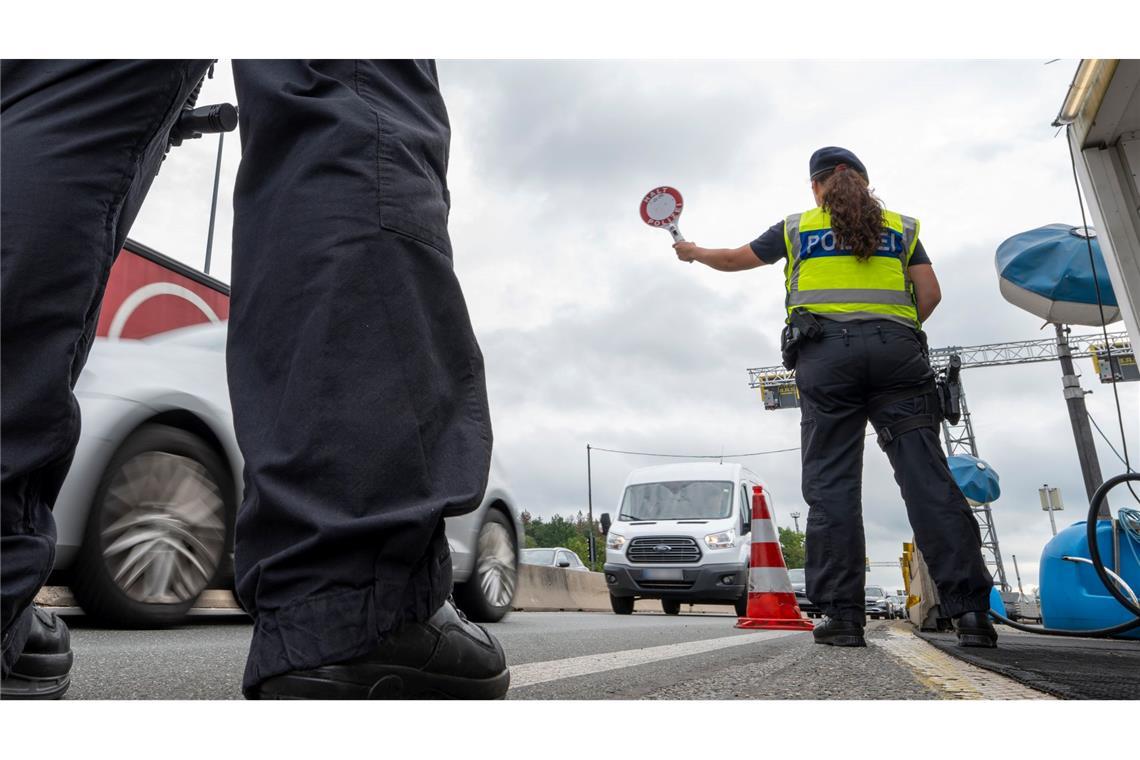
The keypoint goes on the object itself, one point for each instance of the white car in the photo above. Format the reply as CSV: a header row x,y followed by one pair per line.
x,y
145,518
553,556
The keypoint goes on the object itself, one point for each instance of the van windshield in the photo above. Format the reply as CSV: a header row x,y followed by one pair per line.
x,y
678,500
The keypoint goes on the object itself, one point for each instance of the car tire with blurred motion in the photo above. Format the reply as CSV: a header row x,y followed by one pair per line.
x,y
622,605
487,595
157,531
671,606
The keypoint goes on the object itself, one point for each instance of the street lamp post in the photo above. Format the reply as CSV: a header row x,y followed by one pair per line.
x,y
796,519
592,553
214,202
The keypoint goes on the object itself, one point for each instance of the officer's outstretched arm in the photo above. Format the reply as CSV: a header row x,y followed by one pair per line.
x,y
724,259
927,294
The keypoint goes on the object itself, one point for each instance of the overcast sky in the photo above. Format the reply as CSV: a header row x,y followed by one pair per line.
x,y
594,333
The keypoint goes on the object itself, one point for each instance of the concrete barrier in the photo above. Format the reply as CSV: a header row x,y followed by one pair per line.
x,y
554,588
211,599
540,589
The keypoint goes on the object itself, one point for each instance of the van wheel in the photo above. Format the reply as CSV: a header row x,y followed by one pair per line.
x,y
158,530
671,606
622,605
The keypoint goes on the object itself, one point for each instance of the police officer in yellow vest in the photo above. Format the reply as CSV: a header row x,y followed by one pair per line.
x,y
859,286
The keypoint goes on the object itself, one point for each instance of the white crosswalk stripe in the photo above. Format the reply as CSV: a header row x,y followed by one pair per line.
x,y
531,673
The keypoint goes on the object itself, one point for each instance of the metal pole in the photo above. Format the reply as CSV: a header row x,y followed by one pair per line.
x,y
1079,417
590,506
1017,572
214,202
796,518
1052,522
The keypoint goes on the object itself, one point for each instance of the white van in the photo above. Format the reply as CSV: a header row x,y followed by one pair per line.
x,y
682,535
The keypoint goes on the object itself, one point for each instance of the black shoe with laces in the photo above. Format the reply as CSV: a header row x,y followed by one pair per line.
x,y
43,670
444,657
976,630
839,633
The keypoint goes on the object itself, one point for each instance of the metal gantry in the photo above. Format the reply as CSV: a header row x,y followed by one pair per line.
x,y
1028,351
778,387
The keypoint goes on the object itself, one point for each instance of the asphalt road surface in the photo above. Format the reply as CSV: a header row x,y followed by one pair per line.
x,y
553,655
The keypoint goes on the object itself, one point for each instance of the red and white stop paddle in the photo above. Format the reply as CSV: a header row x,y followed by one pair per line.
x,y
661,207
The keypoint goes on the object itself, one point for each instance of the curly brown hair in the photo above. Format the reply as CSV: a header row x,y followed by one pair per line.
x,y
856,214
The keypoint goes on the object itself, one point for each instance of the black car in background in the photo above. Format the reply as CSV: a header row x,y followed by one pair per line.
x,y
799,586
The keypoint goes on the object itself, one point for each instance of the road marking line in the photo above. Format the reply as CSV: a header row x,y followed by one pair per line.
x,y
955,678
531,673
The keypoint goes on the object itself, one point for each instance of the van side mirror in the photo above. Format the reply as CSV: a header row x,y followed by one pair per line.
x,y
564,563
605,520
746,525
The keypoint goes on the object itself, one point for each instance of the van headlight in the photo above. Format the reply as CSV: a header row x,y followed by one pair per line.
x,y
615,541
726,539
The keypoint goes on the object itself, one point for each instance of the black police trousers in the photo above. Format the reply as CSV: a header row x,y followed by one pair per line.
x,y
838,377
356,381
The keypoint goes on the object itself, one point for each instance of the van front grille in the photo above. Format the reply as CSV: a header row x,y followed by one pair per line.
x,y
671,550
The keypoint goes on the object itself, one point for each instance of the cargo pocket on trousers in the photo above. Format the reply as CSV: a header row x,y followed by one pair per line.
x,y
412,178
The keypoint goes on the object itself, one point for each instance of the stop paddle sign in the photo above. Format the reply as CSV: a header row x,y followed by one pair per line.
x,y
661,207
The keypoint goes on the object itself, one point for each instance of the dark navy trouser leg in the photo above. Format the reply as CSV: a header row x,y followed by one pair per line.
x,y
833,422
357,384
82,141
359,395
838,377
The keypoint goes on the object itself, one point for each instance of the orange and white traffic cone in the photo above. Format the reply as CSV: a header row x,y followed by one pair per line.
x,y
771,601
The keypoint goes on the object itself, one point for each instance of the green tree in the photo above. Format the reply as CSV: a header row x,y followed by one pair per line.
x,y
792,544
574,534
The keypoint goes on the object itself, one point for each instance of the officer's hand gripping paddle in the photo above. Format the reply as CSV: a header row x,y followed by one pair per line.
x,y
661,207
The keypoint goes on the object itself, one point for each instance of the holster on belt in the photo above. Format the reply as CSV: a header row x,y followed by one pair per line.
x,y
802,326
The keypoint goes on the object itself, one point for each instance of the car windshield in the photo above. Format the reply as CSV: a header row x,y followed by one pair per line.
x,y
874,591
538,556
211,337
796,575
678,500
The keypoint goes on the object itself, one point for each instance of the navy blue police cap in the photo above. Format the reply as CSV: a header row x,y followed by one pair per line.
x,y
826,159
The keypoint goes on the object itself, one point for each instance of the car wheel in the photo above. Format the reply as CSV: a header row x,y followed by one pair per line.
x,y
487,595
158,529
622,605
671,606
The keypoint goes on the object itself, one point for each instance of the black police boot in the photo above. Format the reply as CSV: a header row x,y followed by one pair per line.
x,y
839,633
975,630
43,670
444,657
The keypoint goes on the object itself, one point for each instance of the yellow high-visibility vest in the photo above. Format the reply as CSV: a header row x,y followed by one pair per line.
x,y
827,280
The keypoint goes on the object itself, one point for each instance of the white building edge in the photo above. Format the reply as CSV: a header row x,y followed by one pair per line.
x,y
1102,111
